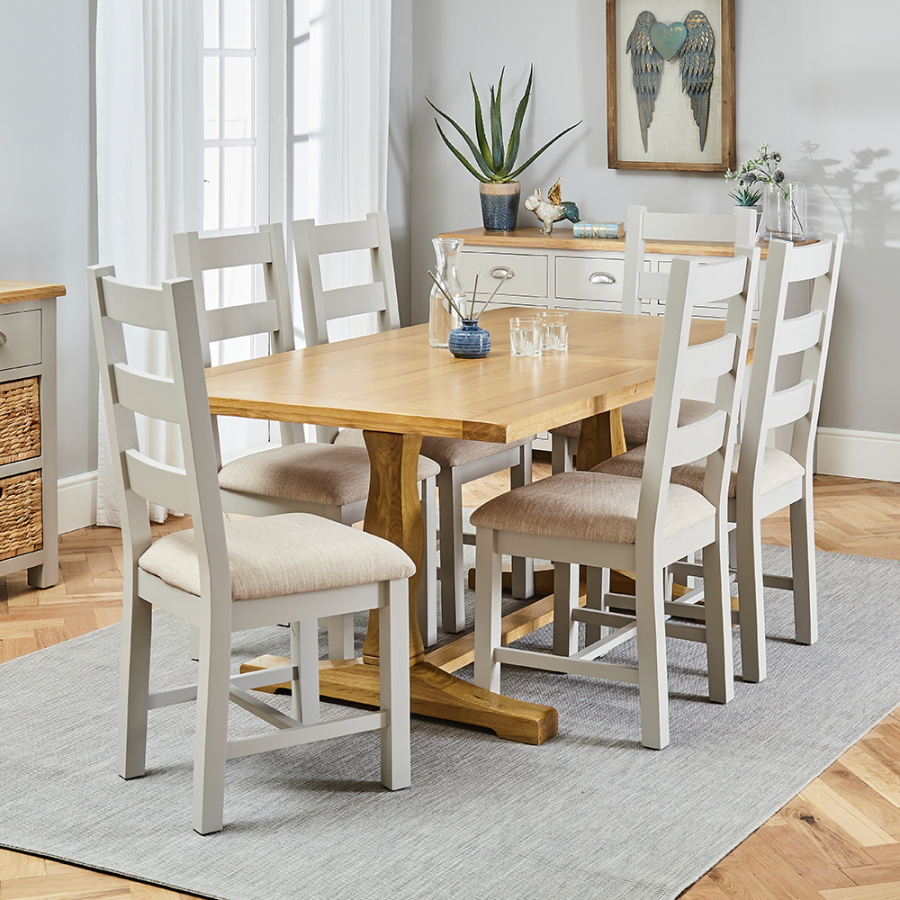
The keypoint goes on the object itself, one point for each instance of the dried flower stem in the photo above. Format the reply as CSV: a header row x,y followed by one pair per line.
x,y
443,290
500,285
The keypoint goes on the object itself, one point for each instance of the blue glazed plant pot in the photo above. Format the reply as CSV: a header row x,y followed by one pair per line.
x,y
499,205
470,340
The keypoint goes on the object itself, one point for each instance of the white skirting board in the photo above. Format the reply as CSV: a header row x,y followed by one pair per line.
x,y
77,501
858,454
854,454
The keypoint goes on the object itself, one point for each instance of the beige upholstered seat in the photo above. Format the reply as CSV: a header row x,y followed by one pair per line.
x,y
778,469
331,476
641,525
446,452
638,285
636,419
262,557
294,568
588,507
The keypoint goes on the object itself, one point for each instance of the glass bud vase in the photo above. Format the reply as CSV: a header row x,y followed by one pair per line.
x,y
442,318
784,211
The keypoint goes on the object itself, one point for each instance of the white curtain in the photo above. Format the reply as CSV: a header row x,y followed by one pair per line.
x,y
350,65
149,170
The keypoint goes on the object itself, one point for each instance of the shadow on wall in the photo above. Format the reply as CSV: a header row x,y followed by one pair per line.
x,y
860,197
853,197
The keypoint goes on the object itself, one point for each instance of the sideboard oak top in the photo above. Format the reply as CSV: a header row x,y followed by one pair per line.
x,y
16,291
532,238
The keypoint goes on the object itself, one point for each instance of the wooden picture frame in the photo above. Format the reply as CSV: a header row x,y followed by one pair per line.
x,y
674,145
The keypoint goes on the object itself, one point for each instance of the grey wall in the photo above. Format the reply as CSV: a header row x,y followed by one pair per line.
x,y
46,189
811,81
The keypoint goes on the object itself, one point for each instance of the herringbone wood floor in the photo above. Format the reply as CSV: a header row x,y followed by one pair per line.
x,y
839,839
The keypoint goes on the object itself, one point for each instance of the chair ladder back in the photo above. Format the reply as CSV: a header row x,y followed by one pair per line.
x,y
180,399
730,384
634,261
777,336
722,359
738,228
318,306
824,292
109,339
379,296
198,441
273,316
665,404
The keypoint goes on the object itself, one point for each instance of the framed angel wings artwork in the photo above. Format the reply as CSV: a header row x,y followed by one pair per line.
x,y
670,84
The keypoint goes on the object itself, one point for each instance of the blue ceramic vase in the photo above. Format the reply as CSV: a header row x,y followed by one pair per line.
x,y
499,205
470,340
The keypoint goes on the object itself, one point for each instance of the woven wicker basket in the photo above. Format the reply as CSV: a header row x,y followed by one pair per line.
x,y
20,420
20,514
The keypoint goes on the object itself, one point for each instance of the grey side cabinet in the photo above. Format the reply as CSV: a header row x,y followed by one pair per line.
x,y
28,466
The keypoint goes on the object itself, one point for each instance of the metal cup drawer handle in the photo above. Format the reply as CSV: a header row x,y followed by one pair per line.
x,y
602,278
2,338
502,272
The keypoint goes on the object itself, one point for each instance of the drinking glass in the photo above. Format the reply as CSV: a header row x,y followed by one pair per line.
x,y
525,337
554,330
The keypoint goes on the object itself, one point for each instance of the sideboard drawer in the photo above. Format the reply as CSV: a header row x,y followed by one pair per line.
x,y
528,278
598,278
20,344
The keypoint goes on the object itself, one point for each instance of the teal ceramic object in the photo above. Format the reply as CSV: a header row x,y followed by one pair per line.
x,y
470,340
668,39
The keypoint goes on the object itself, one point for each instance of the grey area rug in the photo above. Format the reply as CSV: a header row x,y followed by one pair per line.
x,y
589,813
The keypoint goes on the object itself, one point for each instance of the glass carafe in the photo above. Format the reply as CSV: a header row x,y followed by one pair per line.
x,y
442,318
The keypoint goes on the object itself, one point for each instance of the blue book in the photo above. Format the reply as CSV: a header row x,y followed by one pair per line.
x,y
598,230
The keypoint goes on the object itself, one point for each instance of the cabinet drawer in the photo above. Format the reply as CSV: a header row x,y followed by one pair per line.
x,y
528,279
20,420
21,529
21,341
596,278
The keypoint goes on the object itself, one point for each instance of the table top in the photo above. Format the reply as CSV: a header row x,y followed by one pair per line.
x,y
562,239
16,291
396,382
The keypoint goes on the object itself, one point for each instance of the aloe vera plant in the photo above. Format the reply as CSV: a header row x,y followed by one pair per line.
x,y
495,162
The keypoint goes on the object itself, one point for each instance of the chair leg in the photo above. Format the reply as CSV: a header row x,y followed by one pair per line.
x,y
134,683
341,636
488,585
452,573
565,599
596,589
751,598
522,567
803,562
426,606
211,739
717,601
651,647
560,454
393,626
305,660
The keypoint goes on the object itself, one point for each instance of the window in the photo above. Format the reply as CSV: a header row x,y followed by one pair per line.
x,y
235,168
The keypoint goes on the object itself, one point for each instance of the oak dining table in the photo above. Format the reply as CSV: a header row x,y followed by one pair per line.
x,y
397,389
